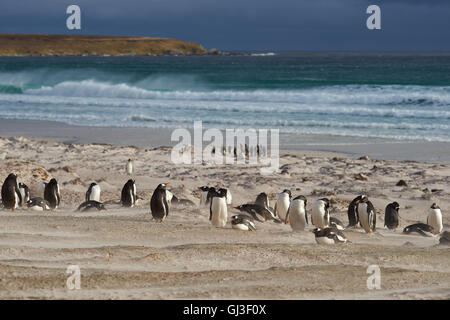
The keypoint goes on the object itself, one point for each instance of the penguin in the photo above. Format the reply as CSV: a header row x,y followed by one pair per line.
x,y
52,194
262,200
25,193
320,213
421,228
11,196
229,197
297,214
329,236
41,187
258,212
391,215
434,218
128,197
91,205
336,223
204,195
170,197
159,204
129,167
351,211
366,215
93,192
211,192
242,222
282,204
218,209
38,204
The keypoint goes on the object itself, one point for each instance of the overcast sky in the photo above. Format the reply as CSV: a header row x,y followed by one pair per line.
x,y
422,25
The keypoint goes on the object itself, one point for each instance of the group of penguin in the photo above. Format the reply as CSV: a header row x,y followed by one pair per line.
x,y
328,230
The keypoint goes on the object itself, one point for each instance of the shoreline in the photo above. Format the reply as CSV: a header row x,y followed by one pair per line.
x,y
160,136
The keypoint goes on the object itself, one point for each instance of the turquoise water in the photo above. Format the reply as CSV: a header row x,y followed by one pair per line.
x,y
401,97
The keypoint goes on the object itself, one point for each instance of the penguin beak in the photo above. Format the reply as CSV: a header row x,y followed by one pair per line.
x,y
18,175
312,230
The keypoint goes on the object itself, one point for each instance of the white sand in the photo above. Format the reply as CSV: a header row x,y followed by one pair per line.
x,y
123,254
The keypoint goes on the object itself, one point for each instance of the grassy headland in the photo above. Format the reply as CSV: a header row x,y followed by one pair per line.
x,y
55,44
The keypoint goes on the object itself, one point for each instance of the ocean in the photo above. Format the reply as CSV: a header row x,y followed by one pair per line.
x,y
400,97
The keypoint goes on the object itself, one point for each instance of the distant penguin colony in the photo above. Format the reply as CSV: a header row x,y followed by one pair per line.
x,y
159,204
128,197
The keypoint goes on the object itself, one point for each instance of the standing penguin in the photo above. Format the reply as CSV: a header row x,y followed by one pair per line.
x,y
320,215
367,215
434,218
203,195
351,212
391,215
297,214
11,196
159,205
263,200
211,192
218,209
128,197
25,193
129,167
52,194
282,204
93,192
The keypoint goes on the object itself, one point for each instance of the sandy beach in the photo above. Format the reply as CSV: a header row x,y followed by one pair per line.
x,y
123,254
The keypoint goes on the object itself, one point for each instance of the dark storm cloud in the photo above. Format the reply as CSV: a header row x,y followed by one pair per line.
x,y
246,24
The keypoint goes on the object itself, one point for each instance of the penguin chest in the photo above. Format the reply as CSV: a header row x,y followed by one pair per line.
x,y
364,217
319,216
203,197
282,205
324,240
297,216
240,226
219,212
435,220
129,168
95,193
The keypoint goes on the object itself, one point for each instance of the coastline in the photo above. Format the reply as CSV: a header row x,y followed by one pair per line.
x,y
160,136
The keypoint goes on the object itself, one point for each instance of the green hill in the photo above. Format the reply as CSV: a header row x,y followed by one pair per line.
x,y
54,44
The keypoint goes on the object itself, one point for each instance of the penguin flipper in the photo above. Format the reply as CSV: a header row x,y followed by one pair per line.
x,y
19,195
306,216
166,205
210,210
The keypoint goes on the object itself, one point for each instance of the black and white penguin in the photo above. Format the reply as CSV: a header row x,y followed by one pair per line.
x,y
129,167
211,192
296,214
329,236
91,205
38,204
159,205
218,209
336,223
242,222
263,200
93,192
367,215
320,213
282,204
434,218
25,193
391,215
420,228
11,196
258,212
52,194
204,195
352,213
128,197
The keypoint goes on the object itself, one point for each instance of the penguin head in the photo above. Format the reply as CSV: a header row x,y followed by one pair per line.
x,y
162,186
288,192
101,206
315,230
204,188
222,192
53,181
434,206
406,230
395,205
301,198
93,184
